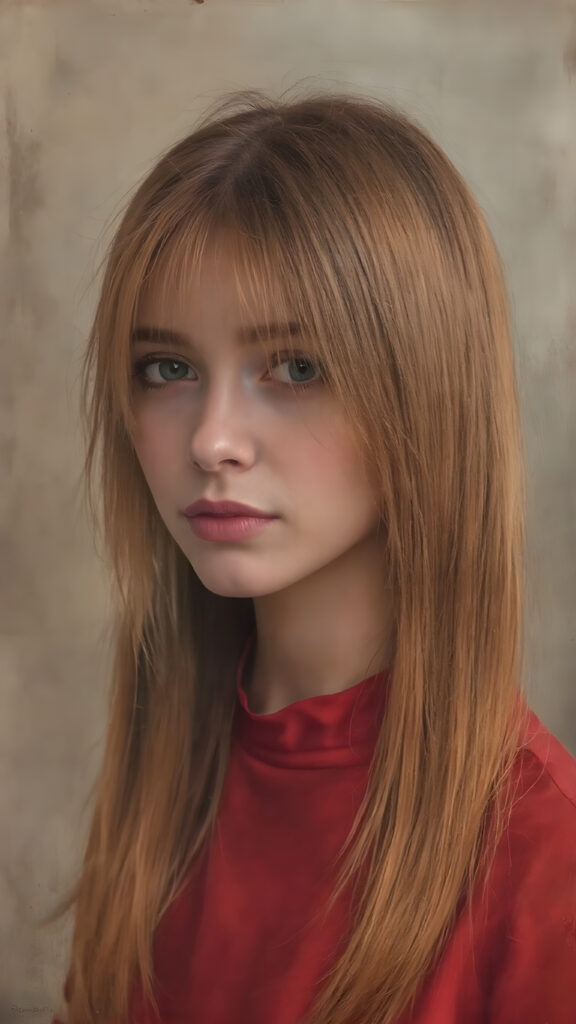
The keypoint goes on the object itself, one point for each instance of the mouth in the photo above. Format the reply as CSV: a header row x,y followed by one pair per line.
x,y
225,510
227,527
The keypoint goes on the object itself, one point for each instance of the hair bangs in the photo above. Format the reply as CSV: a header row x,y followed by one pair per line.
x,y
274,300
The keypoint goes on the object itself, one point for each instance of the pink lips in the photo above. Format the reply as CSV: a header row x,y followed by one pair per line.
x,y
226,520
224,508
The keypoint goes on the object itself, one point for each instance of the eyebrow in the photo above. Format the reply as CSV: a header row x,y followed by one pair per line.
x,y
245,335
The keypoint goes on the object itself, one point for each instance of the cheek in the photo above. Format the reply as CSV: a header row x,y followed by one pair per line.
x,y
328,463
335,455
344,470
154,444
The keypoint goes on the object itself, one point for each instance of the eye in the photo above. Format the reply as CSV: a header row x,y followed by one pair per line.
x,y
154,372
297,369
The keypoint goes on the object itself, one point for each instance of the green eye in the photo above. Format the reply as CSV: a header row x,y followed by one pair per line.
x,y
300,369
169,369
153,372
302,366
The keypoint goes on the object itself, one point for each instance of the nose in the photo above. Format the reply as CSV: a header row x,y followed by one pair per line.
x,y
222,429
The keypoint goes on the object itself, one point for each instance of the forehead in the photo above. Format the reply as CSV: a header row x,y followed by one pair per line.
x,y
183,287
210,295
208,300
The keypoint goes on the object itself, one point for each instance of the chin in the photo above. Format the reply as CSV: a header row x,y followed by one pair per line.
x,y
237,584
230,590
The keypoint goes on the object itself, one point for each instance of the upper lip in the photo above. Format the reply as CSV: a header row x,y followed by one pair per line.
x,y
223,508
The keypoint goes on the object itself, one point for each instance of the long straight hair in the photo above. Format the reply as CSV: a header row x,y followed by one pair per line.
x,y
346,217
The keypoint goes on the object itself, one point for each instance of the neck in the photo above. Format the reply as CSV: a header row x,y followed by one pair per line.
x,y
323,634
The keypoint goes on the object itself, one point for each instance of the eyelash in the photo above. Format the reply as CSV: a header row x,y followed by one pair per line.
x,y
140,366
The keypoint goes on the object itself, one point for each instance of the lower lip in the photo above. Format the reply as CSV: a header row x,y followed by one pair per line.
x,y
228,527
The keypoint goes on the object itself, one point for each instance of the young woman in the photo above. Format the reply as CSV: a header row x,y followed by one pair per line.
x,y
323,798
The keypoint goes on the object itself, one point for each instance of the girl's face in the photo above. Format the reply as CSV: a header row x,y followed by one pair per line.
x,y
221,421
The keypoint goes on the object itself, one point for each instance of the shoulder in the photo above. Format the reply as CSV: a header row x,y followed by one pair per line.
x,y
537,852
535,868
538,849
529,904
556,761
545,780
512,954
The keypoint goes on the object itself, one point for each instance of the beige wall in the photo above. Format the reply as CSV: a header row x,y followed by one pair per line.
x,y
92,92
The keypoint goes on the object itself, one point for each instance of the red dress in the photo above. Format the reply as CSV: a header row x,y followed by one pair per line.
x,y
245,943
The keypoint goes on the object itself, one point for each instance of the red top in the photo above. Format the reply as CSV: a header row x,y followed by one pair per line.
x,y
246,944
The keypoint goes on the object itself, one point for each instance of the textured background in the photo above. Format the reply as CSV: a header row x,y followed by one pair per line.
x,y
91,91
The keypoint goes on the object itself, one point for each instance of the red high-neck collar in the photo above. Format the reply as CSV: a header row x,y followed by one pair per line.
x,y
327,730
